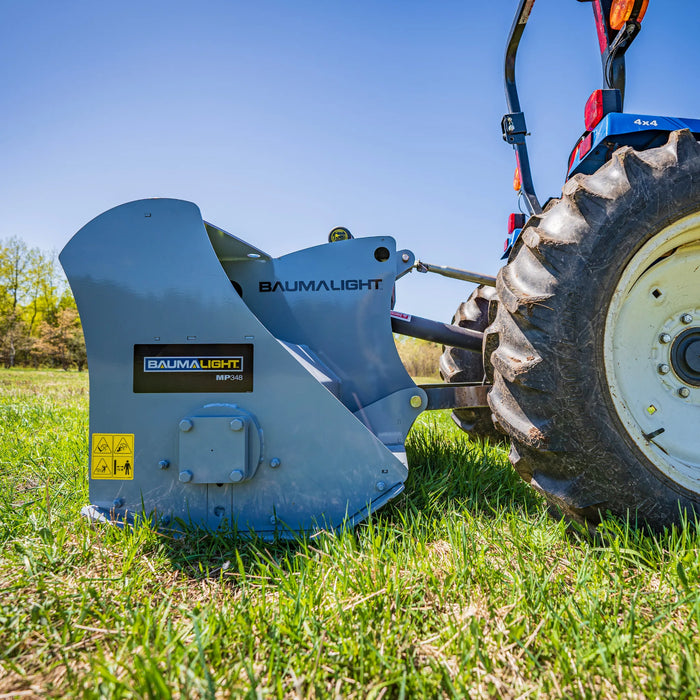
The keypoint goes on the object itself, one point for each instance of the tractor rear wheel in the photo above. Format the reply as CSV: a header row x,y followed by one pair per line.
x,y
458,365
597,340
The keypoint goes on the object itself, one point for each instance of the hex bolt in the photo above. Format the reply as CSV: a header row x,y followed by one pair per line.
x,y
684,392
686,318
275,462
118,502
664,369
185,476
381,486
273,520
236,425
416,401
665,338
186,425
236,475
164,464
405,257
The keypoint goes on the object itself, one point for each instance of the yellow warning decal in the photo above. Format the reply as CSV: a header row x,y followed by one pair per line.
x,y
112,456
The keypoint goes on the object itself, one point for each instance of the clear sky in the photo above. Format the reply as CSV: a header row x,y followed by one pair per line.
x,y
283,119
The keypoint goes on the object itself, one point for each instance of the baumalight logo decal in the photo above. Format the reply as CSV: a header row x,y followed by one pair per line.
x,y
192,364
320,285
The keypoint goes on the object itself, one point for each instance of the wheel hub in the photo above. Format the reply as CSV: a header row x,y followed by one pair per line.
x,y
685,356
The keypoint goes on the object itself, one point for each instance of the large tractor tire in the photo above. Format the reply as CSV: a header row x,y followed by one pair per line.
x,y
458,365
595,346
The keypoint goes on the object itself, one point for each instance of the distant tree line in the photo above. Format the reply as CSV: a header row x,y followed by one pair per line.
x,y
39,322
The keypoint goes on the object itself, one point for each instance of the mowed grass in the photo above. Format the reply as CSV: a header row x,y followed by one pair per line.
x,y
463,587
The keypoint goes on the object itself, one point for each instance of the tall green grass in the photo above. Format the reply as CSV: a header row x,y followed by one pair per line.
x,y
462,587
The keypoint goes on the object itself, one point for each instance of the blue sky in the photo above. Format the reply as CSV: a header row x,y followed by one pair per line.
x,y
282,120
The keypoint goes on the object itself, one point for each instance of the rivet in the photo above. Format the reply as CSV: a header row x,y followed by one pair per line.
x,y
686,318
185,476
236,475
684,392
236,424
275,462
665,338
664,369
381,486
164,464
186,425
416,401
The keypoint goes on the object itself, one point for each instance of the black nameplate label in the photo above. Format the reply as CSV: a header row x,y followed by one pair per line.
x,y
222,368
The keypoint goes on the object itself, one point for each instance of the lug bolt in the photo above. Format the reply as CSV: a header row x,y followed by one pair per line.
x,y
275,462
236,475
164,464
416,401
664,369
118,502
665,338
381,486
684,392
686,318
185,476
186,425
236,425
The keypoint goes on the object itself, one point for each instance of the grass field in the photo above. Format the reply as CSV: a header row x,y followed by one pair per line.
x,y
463,587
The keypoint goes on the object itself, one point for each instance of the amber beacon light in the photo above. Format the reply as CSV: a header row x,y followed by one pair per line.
x,y
622,11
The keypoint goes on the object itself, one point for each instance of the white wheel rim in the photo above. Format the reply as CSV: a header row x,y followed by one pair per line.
x,y
651,350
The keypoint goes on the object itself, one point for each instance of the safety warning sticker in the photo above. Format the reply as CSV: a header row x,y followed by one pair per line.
x,y
112,456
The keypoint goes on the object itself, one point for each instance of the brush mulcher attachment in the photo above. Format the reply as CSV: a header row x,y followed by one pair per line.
x,y
228,388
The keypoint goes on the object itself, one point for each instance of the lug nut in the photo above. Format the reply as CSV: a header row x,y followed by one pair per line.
x,y
664,369
686,318
185,476
186,425
684,392
665,338
236,475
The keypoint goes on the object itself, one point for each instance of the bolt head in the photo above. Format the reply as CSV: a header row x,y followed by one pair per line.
x,y
236,425
164,464
381,486
273,520
664,369
185,476
275,462
236,475
118,502
684,392
165,520
665,338
405,257
186,425
686,318
416,401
